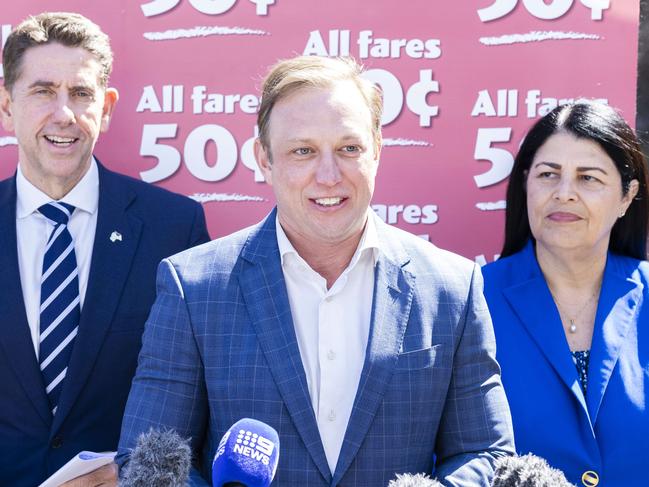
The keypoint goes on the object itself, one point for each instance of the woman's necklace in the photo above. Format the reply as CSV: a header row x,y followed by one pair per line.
x,y
573,327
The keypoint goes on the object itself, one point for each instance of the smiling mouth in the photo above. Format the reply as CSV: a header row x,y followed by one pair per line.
x,y
60,141
328,202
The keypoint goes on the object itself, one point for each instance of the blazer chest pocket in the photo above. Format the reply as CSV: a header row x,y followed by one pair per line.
x,y
423,359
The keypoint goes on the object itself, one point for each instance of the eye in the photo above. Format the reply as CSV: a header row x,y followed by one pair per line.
x,y
590,179
351,149
546,175
84,94
302,151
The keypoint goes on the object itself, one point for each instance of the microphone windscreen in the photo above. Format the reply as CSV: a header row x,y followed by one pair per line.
x,y
160,458
527,471
247,454
414,480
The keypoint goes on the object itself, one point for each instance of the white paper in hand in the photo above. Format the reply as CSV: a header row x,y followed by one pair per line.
x,y
81,464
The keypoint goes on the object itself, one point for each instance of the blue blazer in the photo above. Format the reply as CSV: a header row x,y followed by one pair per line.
x,y
220,345
606,432
121,288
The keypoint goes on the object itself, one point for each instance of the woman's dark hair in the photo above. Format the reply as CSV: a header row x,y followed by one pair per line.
x,y
603,125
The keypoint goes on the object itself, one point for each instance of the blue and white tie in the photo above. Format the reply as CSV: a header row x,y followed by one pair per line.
x,y
60,305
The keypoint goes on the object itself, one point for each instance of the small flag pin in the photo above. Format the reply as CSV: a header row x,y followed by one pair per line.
x,y
115,236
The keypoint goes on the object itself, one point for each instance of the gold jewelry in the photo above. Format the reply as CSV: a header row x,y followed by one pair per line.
x,y
573,327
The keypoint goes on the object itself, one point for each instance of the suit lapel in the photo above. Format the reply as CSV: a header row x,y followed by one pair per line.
x,y
15,337
111,262
264,291
619,302
393,293
532,302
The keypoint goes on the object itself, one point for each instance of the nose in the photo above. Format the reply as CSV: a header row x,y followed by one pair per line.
x,y
565,190
63,113
328,172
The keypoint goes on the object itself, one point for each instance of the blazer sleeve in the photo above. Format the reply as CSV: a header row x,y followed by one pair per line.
x,y
168,391
199,233
476,426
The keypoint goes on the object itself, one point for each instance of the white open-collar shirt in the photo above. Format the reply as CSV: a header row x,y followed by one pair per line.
x,y
332,328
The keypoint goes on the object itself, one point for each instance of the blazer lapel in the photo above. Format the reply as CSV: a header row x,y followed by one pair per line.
x,y
619,302
111,262
15,337
393,293
264,291
532,301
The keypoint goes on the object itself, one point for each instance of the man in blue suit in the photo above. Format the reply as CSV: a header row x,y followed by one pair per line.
x,y
370,351
78,251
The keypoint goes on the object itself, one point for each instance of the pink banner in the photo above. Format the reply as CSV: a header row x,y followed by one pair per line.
x,y
462,83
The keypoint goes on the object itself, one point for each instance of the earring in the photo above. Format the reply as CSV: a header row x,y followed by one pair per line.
x,y
622,214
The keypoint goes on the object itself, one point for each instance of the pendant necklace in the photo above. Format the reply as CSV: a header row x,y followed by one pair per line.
x,y
573,326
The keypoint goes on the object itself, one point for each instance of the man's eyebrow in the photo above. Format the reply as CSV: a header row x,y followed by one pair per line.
x,y
42,83
50,84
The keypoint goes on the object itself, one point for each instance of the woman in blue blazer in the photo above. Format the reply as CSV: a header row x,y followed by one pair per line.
x,y
567,297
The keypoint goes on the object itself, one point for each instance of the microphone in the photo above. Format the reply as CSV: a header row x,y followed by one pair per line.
x,y
410,480
160,458
247,455
527,471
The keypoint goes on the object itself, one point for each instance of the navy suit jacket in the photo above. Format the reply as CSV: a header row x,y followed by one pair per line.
x,y
154,224
220,345
607,430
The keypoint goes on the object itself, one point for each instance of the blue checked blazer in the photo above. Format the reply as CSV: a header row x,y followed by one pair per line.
x,y
220,345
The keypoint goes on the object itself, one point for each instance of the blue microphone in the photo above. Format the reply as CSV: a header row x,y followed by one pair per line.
x,y
247,455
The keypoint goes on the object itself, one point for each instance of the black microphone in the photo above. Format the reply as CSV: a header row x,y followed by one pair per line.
x,y
527,471
160,458
414,480
247,455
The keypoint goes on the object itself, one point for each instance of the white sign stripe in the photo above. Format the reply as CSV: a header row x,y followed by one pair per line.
x,y
59,289
8,141
201,31
537,36
60,318
58,349
56,263
56,381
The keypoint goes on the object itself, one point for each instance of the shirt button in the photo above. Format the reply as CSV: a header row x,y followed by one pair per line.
x,y
332,415
57,442
328,299
331,355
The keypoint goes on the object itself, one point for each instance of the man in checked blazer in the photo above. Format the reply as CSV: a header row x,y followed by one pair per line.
x,y
370,351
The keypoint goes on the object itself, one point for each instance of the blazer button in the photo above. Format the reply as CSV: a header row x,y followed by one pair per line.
x,y
57,442
590,478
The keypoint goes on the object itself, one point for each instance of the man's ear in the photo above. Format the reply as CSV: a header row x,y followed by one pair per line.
x,y
6,117
264,161
110,100
378,145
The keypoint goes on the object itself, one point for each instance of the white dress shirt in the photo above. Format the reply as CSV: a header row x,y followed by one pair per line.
x,y
33,231
332,328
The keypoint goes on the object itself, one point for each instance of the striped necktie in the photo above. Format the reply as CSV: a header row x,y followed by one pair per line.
x,y
60,306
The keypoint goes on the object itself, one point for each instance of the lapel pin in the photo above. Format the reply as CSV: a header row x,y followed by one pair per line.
x,y
115,236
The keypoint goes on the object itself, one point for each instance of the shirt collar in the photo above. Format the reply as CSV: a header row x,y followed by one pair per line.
x,y
84,196
369,242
